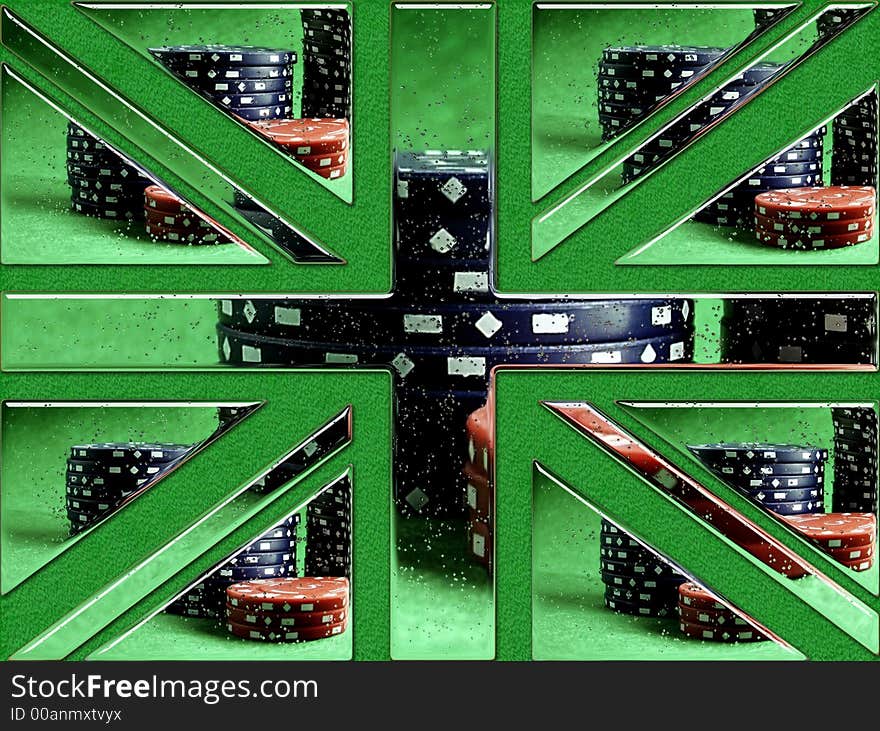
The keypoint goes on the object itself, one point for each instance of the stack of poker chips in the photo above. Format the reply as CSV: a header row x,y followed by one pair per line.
x,y
633,80
637,581
480,490
814,219
101,476
854,157
691,124
170,219
102,184
703,618
288,610
320,145
849,538
443,329
326,63
250,82
798,166
272,555
328,532
819,330
783,478
680,133
855,460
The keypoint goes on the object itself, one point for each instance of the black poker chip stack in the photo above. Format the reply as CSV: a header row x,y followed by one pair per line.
x,y
633,80
797,167
690,125
327,62
821,330
637,581
443,330
272,555
100,476
250,82
328,532
786,479
102,184
855,460
854,157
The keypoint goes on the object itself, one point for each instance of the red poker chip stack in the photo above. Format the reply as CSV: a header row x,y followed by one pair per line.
x,y
815,218
702,617
288,610
170,219
321,145
849,538
480,490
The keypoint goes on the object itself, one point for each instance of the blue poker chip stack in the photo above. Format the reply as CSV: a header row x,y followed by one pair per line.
x,y
101,476
820,330
250,82
327,63
691,124
272,555
634,80
102,184
443,329
328,531
637,580
855,460
783,478
854,156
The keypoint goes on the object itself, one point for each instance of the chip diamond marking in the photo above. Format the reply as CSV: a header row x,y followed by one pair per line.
x,y
488,324
453,189
443,242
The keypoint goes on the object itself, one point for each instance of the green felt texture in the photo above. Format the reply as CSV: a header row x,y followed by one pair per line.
x,y
567,45
443,82
569,618
36,444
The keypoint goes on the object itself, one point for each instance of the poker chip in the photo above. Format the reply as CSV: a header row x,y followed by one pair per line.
x,y
283,634
814,242
702,617
214,55
252,83
251,114
101,476
310,594
305,137
277,620
720,634
833,203
744,453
